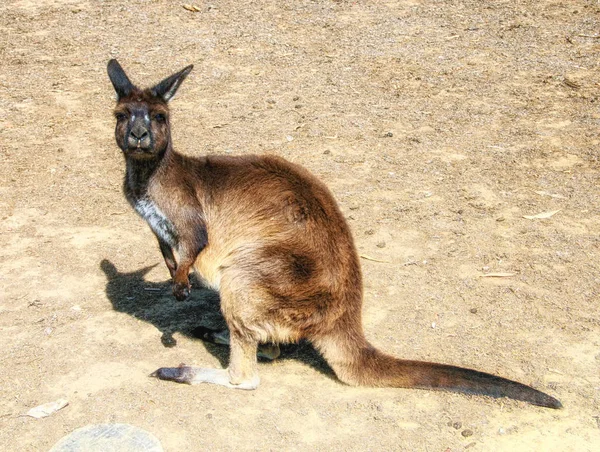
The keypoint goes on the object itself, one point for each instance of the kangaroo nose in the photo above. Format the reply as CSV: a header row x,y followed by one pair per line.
x,y
139,132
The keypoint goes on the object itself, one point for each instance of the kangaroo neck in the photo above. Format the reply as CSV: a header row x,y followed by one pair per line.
x,y
139,173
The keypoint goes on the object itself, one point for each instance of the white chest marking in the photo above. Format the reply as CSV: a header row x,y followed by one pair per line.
x,y
157,220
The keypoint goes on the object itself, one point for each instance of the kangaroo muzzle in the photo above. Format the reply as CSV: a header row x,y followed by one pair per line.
x,y
139,136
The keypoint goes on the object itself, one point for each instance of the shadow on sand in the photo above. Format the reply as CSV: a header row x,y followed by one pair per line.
x,y
153,302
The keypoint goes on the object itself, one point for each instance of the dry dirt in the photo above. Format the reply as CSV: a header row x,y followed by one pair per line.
x,y
437,125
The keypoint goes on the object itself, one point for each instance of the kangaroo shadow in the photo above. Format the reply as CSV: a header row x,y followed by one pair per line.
x,y
154,303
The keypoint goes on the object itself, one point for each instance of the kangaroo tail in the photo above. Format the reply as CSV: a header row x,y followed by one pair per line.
x,y
363,365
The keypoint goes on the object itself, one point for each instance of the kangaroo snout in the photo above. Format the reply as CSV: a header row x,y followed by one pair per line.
x,y
139,136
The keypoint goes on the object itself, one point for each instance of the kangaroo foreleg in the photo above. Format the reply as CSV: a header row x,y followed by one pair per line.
x,y
188,250
168,256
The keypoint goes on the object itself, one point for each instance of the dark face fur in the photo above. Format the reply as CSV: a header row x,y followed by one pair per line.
x,y
142,130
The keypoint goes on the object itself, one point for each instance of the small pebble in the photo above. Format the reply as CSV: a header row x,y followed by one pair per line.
x,y
327,152
168,340
457,425
473,310
370,231
466,433
389,135
381,245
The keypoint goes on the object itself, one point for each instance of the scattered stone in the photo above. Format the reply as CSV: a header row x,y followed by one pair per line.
x,y
109,437
466,433
473,310
381,244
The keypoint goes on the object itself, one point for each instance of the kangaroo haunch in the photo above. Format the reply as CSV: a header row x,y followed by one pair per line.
x,y
270,238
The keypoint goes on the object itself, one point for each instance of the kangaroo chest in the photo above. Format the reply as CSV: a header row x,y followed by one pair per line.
x,y
157,220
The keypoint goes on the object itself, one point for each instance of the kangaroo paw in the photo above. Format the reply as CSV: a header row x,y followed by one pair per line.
x,y
181,291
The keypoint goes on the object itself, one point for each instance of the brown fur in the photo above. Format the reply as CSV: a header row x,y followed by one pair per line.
x,y
271,239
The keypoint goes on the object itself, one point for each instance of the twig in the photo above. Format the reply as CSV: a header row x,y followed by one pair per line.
x,y
497,275
571,83
39,358
373,259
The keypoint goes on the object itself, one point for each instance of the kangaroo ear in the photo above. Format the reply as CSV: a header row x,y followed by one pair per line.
x,y
119,79
168,87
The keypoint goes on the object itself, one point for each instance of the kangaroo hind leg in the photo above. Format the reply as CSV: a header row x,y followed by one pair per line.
x,y
221,337
241,373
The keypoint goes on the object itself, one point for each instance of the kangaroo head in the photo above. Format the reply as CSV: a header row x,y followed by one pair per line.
x,y
142,129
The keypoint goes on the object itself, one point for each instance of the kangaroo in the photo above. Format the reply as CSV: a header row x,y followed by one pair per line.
x,y
269,237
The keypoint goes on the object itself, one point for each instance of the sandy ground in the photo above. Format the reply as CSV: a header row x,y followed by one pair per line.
x,y
437,125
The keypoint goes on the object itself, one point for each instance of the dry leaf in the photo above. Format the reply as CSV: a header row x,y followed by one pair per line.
x,y
191,8
497,275
47,409
541,215
373,259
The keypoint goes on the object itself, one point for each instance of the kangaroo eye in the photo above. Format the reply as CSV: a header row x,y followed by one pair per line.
x,y
160,117
120,116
